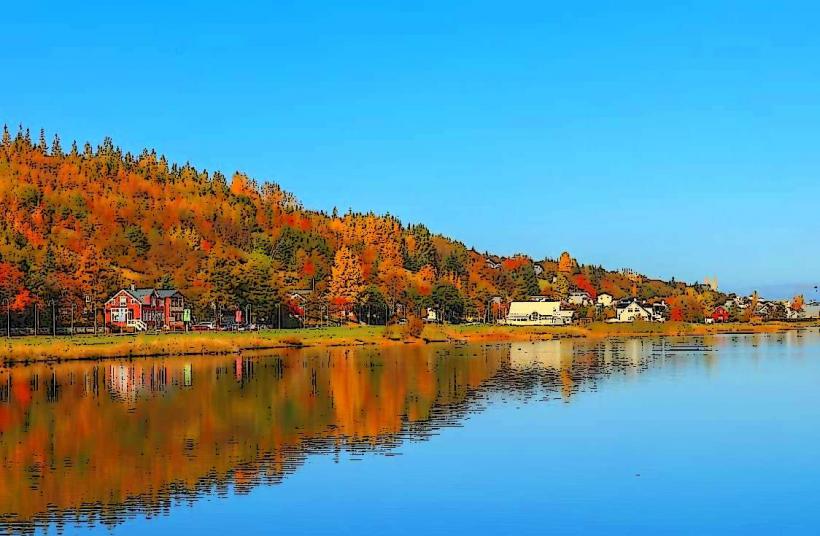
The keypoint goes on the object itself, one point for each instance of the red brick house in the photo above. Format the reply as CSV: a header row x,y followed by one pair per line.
x,y
173,308
720,315
145,308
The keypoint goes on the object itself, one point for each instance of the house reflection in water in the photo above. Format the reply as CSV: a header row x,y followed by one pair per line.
x,y
250,420
243,422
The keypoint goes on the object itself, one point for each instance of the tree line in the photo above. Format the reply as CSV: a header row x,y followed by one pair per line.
x,y
81,222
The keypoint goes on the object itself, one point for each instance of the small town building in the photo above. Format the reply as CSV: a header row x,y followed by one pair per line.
x,y
808,312
629,312
719,315
660,311
605,299
538,313
580,298
173,303
145,308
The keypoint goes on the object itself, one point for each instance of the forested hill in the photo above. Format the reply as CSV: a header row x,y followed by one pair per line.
x,y
85,221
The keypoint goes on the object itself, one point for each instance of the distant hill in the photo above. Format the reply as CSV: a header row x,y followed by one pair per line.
x,y
84,221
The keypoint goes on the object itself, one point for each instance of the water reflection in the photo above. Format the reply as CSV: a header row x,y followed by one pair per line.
x,y
88,443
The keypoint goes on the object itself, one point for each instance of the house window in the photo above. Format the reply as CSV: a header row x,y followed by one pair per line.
x,y
122,300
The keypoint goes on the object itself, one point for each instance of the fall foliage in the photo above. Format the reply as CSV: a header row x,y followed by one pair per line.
x,y
81,223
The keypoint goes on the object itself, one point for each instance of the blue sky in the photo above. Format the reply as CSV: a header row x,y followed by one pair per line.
x,y
679,140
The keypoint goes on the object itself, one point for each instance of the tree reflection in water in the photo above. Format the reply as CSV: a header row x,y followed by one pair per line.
x,y
98,442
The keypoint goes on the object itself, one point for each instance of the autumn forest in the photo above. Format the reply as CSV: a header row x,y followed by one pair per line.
x,y
80,222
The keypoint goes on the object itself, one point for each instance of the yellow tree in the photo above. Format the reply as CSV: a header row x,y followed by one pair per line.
x,y
392,280
565,263
346,280
750,310
797,303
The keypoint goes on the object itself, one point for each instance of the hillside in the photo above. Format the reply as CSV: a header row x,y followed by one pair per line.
x,y
82,222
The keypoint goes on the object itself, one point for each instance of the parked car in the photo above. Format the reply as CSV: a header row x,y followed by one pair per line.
x,y
204,326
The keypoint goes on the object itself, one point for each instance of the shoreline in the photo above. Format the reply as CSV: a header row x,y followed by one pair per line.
x,y
31,349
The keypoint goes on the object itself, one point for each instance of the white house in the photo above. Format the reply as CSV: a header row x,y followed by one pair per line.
x,y
542,313
605,299
579,297
633,311
810,311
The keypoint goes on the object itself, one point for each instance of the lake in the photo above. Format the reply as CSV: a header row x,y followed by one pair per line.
x,y
687,435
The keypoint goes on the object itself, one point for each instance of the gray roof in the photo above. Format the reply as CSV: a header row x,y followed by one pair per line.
x,y
168,292
141,293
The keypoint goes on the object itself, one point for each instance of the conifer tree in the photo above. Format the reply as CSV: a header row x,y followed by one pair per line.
x,y
56,148
41,144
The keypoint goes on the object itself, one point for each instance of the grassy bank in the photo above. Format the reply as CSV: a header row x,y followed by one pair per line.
x,y
25,349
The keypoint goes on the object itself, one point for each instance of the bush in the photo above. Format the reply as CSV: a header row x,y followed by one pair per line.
x,y
413,328
388,332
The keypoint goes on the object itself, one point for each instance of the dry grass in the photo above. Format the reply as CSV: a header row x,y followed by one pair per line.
x,y
26,349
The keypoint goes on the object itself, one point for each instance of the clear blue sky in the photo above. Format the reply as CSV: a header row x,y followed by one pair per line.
x,y
677,140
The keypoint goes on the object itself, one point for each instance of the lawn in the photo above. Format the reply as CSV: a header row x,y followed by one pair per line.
x,y
24,349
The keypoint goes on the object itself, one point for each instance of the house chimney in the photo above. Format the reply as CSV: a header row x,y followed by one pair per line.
x,y
133,287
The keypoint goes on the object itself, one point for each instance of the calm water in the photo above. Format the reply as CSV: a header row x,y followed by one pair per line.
x,y
678,435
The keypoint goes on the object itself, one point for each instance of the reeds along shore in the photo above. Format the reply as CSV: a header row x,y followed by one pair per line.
x,y
29,349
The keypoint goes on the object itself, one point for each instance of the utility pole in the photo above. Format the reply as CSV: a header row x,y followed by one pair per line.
x,y
53,319
278,316
72,319
94,306
36,324
8,318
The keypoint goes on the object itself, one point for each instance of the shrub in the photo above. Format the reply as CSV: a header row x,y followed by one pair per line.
x,y
388,332
413,328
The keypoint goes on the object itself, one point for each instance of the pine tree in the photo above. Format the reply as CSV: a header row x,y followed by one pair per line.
x,y
56,148
41,144
74,150
6,137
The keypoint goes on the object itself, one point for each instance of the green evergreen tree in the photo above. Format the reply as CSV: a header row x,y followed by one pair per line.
x,y
448,302
41,144
56,148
